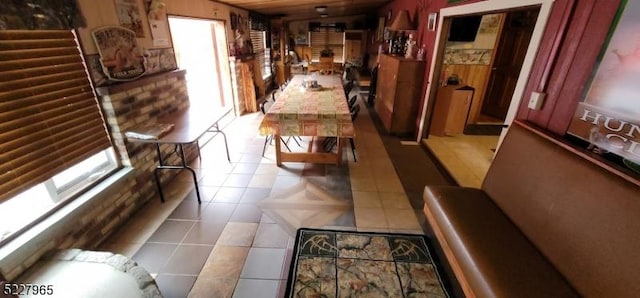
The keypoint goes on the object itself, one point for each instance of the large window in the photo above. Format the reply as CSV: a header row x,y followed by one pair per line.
x,y
327,37
35,202
262,53
53,139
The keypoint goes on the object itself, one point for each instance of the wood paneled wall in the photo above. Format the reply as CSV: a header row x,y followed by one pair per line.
x,y
475,76
566,59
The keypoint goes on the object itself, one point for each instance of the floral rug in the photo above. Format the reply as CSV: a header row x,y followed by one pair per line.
x,y
355,264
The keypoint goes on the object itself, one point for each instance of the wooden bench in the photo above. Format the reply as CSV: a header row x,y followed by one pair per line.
x,y
547,222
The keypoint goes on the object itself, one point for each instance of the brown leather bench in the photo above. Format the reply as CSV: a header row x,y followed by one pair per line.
x,y
547,222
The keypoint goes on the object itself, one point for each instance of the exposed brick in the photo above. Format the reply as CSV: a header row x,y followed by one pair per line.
x,y
110,227
150,87
122,111
116,97
67,254
134,91
14,272
161,83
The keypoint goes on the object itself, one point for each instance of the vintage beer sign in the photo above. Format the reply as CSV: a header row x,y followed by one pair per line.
x,y
120,56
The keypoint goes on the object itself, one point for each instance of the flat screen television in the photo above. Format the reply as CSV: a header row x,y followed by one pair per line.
x,y
464,28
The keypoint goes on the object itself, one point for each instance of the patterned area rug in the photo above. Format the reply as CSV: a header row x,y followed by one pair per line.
x,y
354,264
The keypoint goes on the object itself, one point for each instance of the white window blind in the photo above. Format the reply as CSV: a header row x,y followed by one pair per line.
x,y
261,52
327,38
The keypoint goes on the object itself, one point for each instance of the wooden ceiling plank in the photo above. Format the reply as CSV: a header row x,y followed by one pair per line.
x,y
306,9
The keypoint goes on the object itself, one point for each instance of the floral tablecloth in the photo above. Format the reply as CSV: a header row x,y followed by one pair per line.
x,y
301,112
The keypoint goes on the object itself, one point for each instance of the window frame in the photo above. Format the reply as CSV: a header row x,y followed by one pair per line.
x,y
62,197
326,37
80,181
261,52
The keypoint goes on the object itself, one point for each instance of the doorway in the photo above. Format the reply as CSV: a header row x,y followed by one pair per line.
x,y
505,69
200,48
466,157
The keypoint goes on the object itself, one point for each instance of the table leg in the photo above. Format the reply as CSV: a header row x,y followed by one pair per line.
x,y
217,129
193,172
339,144
278,152
183,166
155,173
158,185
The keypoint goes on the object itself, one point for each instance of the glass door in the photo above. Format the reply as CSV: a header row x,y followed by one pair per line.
x,y
200,48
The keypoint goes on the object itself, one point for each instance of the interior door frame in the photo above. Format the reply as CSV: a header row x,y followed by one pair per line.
x,y
483,7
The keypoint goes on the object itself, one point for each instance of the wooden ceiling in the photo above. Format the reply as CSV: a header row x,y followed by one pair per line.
x,y
290,10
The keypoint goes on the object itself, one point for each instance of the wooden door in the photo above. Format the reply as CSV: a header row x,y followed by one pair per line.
x,y
248,88
353,50
511,50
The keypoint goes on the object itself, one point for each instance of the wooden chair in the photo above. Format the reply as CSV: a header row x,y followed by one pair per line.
x,y
329,143
326,65
348,87
352,102
372,87
264,107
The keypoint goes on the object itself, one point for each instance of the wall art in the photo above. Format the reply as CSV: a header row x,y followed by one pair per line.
x,y
128,13
120,56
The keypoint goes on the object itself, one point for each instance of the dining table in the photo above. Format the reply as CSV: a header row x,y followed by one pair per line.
x,y
319,112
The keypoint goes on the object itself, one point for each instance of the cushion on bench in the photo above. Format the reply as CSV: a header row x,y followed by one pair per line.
x,y
545,209
494,258
584,219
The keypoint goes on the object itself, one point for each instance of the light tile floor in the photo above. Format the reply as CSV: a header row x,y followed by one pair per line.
x,y
238,242
466,157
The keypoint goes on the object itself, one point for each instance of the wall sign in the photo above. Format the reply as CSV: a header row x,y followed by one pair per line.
x,y
609,114
120,56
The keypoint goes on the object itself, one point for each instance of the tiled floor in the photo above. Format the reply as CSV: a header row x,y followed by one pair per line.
x,y
466,157
237,243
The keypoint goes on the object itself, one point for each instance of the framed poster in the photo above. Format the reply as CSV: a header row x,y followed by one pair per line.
x,y
490,23
431,21
388,34
608,116
157,16
128,13
301,39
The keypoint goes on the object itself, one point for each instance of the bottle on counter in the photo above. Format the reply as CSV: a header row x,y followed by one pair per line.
x,y
421,53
